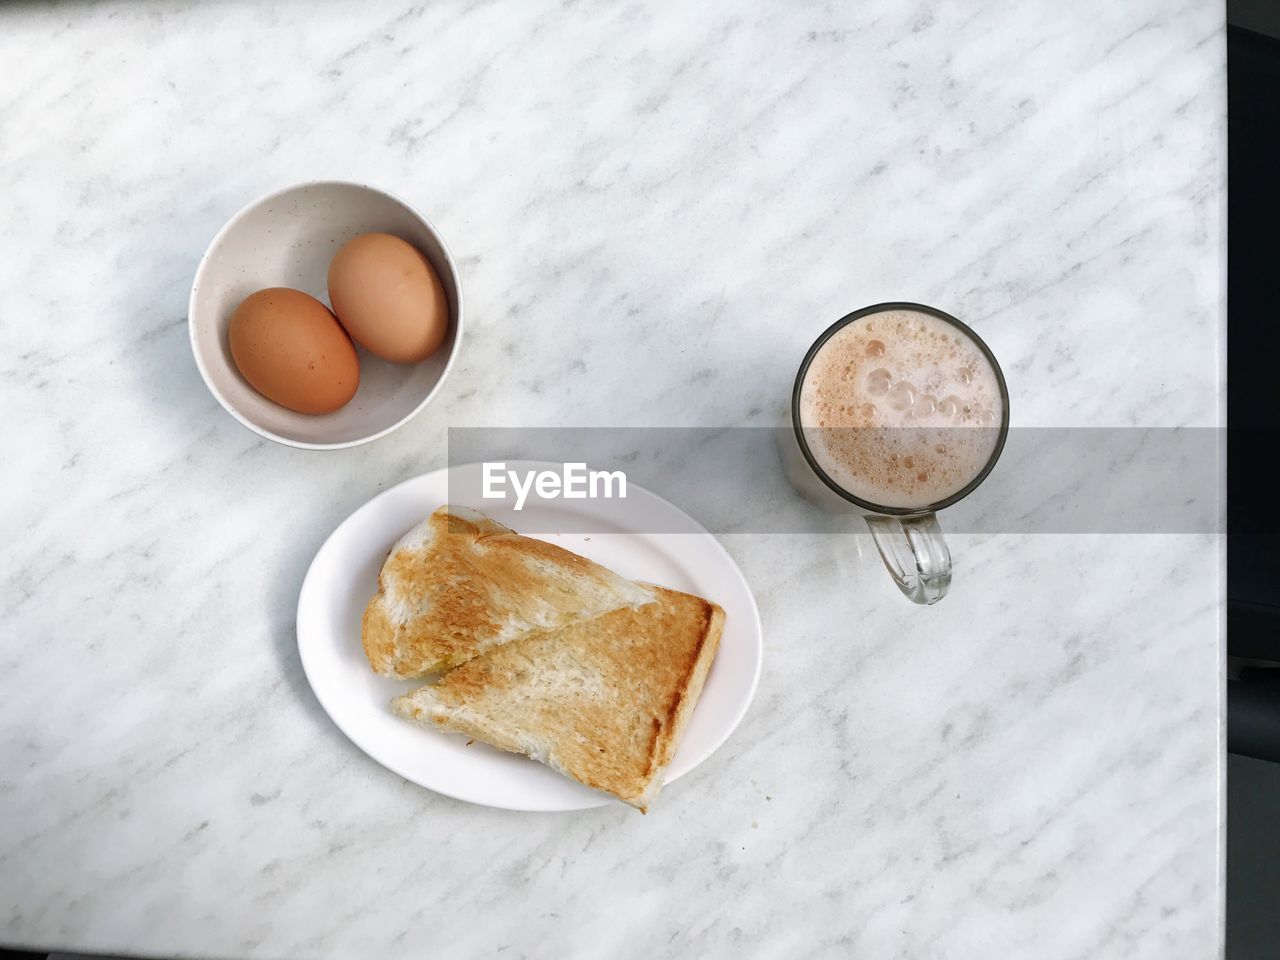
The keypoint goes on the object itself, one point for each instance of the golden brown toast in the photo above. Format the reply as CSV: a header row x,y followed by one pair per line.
x,y
460,583
603,701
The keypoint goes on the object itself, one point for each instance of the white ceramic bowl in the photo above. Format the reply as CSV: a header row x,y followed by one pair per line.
x,y
286,239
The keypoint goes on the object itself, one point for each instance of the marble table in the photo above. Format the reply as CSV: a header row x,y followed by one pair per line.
x,y
655,207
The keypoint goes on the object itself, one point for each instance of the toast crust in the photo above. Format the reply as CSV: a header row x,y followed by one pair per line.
x,y
460,583
605,701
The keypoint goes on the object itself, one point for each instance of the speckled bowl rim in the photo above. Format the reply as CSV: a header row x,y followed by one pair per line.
x,y
244,211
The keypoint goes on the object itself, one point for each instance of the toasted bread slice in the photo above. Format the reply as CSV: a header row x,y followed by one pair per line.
x,y
604,701
460,583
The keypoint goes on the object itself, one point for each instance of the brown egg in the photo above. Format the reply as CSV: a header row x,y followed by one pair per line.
x,y
388,297
292,350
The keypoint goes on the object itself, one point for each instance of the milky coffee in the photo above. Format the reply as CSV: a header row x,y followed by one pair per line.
x,y
901,409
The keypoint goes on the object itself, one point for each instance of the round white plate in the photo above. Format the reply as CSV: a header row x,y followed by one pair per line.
x,y
344,576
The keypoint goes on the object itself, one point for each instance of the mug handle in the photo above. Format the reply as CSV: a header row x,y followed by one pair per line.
x,y
916,554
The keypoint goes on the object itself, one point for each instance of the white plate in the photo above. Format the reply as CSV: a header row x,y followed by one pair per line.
x,y
344,576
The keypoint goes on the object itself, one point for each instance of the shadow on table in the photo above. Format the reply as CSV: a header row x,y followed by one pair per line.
x,y
291,571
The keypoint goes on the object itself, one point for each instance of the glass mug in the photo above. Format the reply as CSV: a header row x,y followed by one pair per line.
x,y
898,411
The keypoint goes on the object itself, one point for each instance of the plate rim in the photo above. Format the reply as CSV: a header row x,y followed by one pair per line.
x,y
598,799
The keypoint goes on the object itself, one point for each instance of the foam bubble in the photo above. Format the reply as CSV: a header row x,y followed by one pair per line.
x,y
873,419
901,395
925,406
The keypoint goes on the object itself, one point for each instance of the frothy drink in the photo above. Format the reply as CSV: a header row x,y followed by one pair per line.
x,y
901,409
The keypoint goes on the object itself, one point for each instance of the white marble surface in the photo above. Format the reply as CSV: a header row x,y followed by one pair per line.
x,y
655,208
